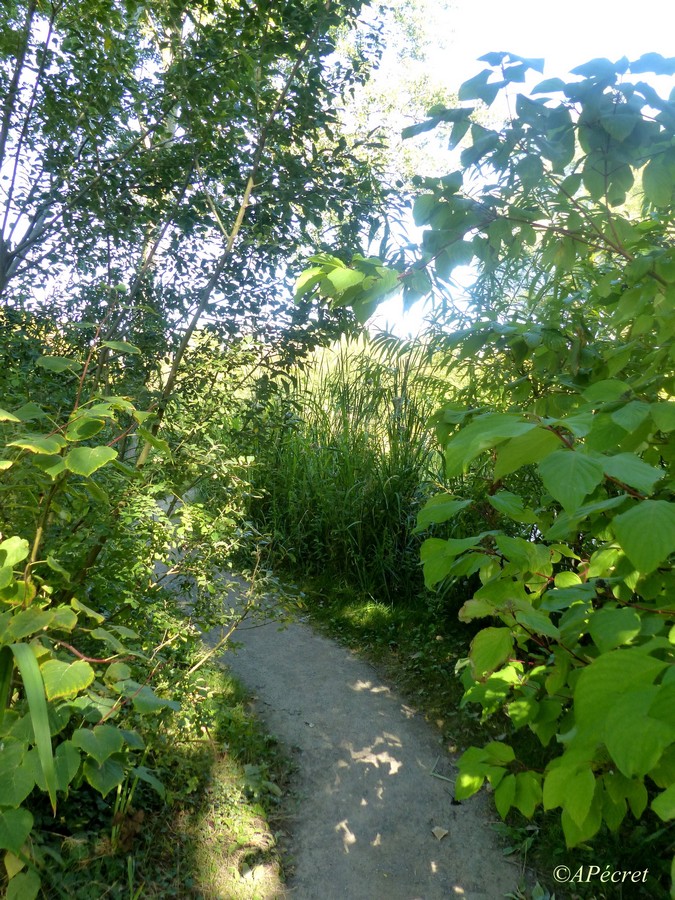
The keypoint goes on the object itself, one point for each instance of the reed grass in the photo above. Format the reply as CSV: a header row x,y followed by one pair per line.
x,y
343,461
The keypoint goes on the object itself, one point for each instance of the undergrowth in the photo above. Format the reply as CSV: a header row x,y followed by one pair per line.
x,y
210,838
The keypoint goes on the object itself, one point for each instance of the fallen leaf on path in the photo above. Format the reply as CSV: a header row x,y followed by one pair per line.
x,y
439,833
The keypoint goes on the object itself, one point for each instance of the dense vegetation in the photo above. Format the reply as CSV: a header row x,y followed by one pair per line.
x,y
141,144
557,517
167,170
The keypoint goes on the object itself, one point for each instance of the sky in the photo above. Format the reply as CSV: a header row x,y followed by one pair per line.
x,y
564,34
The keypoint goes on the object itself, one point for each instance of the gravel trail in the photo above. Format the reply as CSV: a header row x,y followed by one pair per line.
x,y
366,796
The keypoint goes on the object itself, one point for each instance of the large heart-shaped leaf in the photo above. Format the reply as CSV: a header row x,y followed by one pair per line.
x,y
86,460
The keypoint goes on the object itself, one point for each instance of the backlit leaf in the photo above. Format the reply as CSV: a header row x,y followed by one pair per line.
x,y
66,679
490,648
39,444
86,460
524,450
58,363
440,508
13,550
664,804
120,347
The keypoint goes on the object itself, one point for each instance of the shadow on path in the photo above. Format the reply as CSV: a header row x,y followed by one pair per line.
x,y
367,792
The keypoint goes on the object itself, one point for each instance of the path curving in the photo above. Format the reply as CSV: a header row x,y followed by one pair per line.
x,y
366,800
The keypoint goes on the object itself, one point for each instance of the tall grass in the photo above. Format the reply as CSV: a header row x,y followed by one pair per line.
x,y
343,461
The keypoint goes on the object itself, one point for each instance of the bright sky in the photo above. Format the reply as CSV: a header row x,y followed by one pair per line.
x,y
564,34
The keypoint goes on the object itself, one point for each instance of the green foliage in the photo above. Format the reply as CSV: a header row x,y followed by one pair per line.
x,y
163,165
338,463
567,432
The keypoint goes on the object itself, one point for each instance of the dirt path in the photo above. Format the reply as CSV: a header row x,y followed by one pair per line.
x,y
366,800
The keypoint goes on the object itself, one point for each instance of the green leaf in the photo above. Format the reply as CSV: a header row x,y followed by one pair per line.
x,y
27,622
145,701
83,428
578,833
628,718
102,634
86,460
630,469
438,556
489,649
481,434
646,533
15,826
511,505
8,416
67,763
606,679
37,705
149,778
419,128
607,391
664,416
78,606
13,550
50,465
664,804
528,793
58,363
473,767
308,280
459,253
610,628
536,620
66,679
341,280
497,753
549,86
653,62
16,784
569,476
100,742
121,347
477,88
39,444
439,509
505,794
24,886
556,782
117,671
56,566
524,450
658,182
6,578
632,415
103,778
156,442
